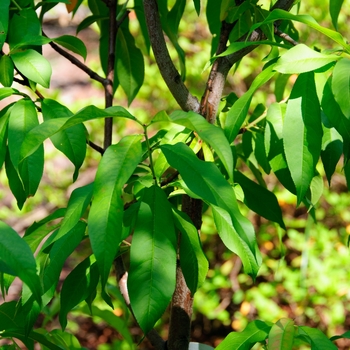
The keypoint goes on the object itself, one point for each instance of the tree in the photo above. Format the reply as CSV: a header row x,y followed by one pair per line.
x,y
153,187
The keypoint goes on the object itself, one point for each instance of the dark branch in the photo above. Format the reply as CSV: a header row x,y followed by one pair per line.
x,y
95,147
93,75
166,66
285,37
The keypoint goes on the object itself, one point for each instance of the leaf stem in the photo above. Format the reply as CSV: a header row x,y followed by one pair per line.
x,y
17,5
149,150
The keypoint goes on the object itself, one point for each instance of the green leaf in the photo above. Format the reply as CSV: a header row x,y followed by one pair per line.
x,y
58,254
106,214
14,180
238,112
6,92
17,259
24,24
334,10
140,14
345,335
45,130
4,20
341,85
87,21
75,288
72,43
63,339
4,117
335,116
205,181
71,141
301,59
197,6
33,66
31,40
209,133
278,14
302,133
260,200
281,335
23,118
129,64
332,149
6,71
194,263
315,338
152,274
256,331
77,205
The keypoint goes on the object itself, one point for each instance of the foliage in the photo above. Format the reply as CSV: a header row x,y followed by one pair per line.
x,y
143,211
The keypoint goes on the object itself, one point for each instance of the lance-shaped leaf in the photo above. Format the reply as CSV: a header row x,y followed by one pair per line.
x,y
152,275
335,116
194,263
72,43
59,251
78,202
256,331
238,112
6,71
332,149
4,118
209,133
76,287
278,14
106,213
45,130
315,338
71,141
33,66
281,336
301,59
341,85
302,133
23,118
4,20
260,200
129,64
334,10
17,259
206,182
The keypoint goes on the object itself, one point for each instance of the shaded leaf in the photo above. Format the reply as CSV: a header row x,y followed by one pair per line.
x,y
106,214
194,263
6,71
334,10
315,338
129,64
260,200
17,259
4,20
70,141
87,21
152,274
4,117
302,133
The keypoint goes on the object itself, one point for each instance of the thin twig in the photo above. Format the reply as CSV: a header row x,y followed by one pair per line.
x,y
93,75
285,37
95,147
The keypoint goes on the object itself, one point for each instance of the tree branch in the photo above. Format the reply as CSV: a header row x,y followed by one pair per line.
x,y
218,74
166,66
93,75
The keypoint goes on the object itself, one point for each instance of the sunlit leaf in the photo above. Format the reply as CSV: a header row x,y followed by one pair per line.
x,y
72,43
334,10
33,66
341,85
152,274
301,59
281,335
302,133
106,213
315,338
